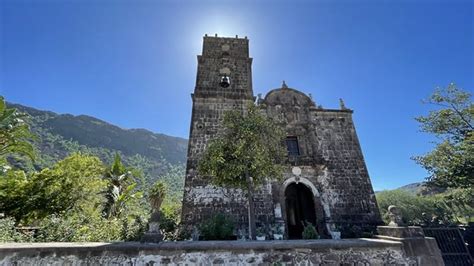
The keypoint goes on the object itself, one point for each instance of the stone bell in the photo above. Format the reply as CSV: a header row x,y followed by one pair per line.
x,y
225,81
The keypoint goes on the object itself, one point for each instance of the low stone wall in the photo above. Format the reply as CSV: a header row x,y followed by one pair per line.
x,y
299,252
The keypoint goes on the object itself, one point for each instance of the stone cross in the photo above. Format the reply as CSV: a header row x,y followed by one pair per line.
x,y
341,103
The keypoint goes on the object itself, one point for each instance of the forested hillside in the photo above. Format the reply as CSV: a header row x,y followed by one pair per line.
x,y
158,156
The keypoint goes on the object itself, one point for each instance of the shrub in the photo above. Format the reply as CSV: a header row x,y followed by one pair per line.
x,y
309,232
8,233
79,228
218,227
169,220
72,227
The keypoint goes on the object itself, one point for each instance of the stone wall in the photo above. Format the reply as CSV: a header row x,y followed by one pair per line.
x,y
299,252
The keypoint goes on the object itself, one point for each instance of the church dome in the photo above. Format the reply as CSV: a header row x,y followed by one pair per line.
x,y
287,96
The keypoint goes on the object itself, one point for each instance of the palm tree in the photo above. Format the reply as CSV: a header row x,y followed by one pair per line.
x,y
119,190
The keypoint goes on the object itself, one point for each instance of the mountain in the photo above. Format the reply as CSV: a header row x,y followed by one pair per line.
x,y
420,188
59,135
413,188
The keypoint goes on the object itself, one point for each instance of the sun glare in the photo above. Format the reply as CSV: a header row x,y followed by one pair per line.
x,y
214,22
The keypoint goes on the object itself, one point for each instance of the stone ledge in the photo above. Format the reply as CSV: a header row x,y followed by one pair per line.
x,y
292,252
400,232
322,244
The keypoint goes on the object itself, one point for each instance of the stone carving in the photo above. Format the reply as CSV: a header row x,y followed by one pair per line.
x,y
395,216
156,197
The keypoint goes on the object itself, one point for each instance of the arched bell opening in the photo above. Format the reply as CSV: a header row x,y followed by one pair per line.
x,y
300,209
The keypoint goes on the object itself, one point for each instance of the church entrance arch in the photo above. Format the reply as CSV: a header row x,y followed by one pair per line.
x,y
300,209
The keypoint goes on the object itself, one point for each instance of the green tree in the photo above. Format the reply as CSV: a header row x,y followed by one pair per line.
x,y
71,184
457,203
248,151
15,135
451,163
14,198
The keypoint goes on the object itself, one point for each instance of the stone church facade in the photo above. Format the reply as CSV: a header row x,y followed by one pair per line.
x,y
326,181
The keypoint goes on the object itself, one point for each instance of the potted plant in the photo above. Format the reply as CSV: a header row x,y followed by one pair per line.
x,y
309,232
277,232
261,233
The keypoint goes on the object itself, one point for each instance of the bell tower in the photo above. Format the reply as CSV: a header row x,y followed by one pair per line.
x,y
224,82
224,59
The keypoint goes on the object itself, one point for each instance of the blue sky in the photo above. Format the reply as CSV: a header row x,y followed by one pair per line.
x,y
133,63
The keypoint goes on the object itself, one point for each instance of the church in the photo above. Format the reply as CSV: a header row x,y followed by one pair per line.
x,y
326,181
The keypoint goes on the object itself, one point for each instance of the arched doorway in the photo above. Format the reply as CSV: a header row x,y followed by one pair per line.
x,y
299,203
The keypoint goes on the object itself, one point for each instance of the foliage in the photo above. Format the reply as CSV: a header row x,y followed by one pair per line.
x,y
169,224
87,227
14,194
250,144
89,224
8,232
120,188
218,227
64,191
157,156
73,183
457,205
157,193
174,181
451,163
309,232
15,135
454,206
411,206
170,211
249,150
77,227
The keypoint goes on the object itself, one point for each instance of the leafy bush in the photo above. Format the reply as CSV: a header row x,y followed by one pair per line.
x,y
218,227
78,228
309,232
85,228
73,183
8,232
457,205
133,228
169,221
